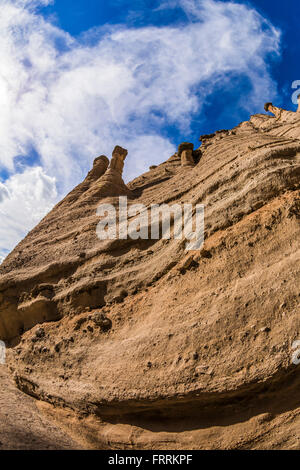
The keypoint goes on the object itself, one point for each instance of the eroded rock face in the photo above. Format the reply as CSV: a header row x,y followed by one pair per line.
x,y
24,426
188,332
185,152
112,183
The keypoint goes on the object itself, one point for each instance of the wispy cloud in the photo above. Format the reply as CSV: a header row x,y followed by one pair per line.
x,y
72,99
24,198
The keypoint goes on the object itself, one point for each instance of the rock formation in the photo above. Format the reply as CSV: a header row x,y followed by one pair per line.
x,y
185,152
112,183
168,348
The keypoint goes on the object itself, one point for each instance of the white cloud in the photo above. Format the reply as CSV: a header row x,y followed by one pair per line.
x,y
146,150
27,196
70,100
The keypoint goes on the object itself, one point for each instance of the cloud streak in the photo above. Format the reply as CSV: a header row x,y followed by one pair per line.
x,y
72,99
24,199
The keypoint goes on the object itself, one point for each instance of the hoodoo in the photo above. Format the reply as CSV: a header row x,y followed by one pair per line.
x,y
112,183
185,152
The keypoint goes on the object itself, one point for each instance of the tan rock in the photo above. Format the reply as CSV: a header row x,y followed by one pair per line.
x,y
112,183
248,180
185,152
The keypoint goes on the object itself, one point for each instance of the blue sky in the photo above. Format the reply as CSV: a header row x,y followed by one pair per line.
x,y
76,17
78,77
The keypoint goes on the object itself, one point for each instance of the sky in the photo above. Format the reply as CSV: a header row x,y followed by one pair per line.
x,y
78,77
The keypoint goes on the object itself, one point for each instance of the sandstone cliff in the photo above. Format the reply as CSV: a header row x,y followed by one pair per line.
x,y
170,348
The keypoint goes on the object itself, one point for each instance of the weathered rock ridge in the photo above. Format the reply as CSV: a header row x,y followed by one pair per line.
x,y
156,341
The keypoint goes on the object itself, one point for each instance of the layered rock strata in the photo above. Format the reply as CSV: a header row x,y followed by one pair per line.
x,y
140,332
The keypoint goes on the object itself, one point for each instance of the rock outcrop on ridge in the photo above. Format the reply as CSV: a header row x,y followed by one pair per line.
x,y
169,348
